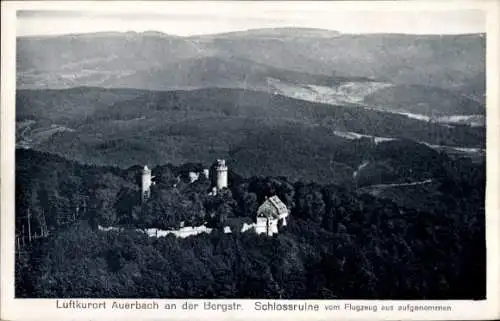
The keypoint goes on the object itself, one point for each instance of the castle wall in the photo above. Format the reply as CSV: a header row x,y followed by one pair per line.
x,y
247,227
193,177
180,232
261,225
273,227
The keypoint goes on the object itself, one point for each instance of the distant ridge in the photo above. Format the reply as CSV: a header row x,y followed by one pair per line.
x,y
257,31
157,61
282,31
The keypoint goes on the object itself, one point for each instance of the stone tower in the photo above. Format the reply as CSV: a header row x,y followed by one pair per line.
x,y
146,183
221,170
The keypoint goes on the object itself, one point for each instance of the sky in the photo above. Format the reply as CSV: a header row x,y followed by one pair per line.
x,y
186,19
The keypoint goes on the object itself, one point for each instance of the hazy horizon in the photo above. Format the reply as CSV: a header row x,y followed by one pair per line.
x,y
239,30
185,21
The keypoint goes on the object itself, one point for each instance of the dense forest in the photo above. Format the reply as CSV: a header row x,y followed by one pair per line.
x,y
100,126
340,241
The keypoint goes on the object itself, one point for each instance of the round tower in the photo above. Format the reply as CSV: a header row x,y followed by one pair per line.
x,y
146,183
221,170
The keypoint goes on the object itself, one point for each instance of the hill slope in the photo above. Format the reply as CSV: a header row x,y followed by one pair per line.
x,y
248,128
447,61
424,100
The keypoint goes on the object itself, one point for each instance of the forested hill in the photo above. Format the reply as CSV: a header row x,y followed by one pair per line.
x,y
260,133
339,243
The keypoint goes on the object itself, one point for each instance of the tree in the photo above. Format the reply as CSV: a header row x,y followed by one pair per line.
x,y
309,202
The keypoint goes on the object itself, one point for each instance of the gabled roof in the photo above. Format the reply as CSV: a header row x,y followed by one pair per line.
x,y
277,207
278,204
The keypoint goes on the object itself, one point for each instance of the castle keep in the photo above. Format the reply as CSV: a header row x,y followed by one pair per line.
x,y
146,182
221,170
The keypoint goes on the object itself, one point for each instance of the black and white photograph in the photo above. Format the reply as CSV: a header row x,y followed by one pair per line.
x,y
282,152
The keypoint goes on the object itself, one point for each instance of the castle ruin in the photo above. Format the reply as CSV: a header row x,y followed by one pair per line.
x,y
270,214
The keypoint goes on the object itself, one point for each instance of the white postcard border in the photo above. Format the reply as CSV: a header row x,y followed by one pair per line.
x,y
43,309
